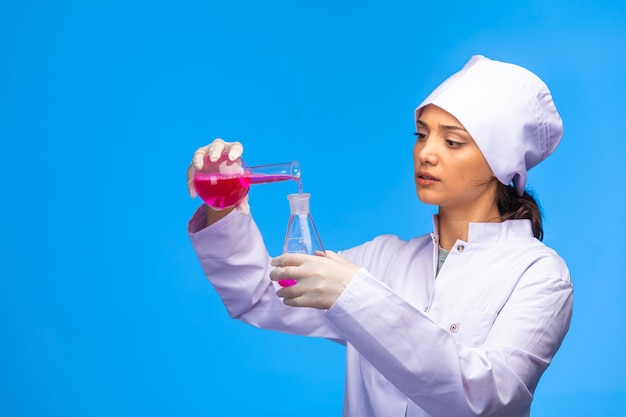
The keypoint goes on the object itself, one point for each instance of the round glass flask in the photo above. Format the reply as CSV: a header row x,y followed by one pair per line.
x,y
225,183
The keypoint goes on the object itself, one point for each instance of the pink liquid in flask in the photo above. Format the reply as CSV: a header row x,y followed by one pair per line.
x,y
219,191
222,191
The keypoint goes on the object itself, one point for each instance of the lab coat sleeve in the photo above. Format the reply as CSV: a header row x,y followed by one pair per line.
x,y
234,259
443,376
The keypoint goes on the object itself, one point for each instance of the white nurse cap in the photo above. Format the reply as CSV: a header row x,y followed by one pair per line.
x,y
507,110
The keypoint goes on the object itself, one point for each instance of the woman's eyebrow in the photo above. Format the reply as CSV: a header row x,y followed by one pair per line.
x,y
447,127
452,127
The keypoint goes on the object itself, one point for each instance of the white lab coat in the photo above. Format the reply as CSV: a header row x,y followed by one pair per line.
x,y
473,342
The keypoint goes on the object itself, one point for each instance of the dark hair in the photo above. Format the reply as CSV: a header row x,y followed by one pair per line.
x,y
512,206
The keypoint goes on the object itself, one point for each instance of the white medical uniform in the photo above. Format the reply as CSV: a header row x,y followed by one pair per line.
x,y
472,342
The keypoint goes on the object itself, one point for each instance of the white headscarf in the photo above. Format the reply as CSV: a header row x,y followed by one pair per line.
x,y
507,110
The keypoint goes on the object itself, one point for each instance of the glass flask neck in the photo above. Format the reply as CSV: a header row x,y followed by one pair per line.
x,y
273,172
299,203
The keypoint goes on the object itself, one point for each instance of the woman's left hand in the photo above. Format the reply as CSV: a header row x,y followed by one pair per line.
x,y
321,278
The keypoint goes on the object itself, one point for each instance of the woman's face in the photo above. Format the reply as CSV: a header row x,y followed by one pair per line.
x,y
450,170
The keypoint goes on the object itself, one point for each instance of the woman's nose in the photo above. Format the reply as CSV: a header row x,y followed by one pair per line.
x,y
425,152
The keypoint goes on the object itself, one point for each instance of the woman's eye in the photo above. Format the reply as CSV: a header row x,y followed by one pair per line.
x,y
453,144
420,135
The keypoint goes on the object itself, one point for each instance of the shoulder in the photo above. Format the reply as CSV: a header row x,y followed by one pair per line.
x,y
511,253
534,260
546,260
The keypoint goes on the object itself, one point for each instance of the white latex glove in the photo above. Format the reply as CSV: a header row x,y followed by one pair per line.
x,y
215,150
321,278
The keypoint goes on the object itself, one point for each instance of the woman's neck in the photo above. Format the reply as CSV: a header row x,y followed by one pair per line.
x,y
454,224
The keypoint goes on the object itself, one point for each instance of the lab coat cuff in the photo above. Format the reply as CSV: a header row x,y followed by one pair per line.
x,y
204,238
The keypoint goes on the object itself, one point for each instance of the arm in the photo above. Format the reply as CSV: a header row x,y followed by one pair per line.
x,y
234,259
447,377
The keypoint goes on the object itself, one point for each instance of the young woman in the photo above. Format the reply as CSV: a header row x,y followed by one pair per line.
x,y
459,322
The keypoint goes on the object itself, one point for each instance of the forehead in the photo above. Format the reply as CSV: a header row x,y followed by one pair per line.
x,y
432,114
434,117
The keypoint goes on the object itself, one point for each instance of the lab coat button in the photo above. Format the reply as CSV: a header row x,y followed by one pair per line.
x,y
460,248
454,327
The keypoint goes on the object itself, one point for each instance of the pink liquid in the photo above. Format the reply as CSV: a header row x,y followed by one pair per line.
x,y
221,191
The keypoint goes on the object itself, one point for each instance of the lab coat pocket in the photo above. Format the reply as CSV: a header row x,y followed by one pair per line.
x,y
471,327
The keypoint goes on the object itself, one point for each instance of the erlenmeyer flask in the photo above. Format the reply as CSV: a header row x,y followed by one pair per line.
x,y
225,183
301,236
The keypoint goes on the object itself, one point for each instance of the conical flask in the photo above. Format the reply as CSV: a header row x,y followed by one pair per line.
x,y
301,236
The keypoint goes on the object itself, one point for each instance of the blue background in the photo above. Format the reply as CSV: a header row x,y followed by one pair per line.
x,y
104,310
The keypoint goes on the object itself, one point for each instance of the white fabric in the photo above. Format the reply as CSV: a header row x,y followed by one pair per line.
x,y
473,342
508,111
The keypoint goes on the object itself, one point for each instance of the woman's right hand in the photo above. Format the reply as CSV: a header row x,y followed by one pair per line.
x,y
214,151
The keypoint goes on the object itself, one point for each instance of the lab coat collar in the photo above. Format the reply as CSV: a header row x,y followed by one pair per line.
x,y
491,232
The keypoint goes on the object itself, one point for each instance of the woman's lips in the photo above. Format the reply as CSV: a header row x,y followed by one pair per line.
x,y
425,178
